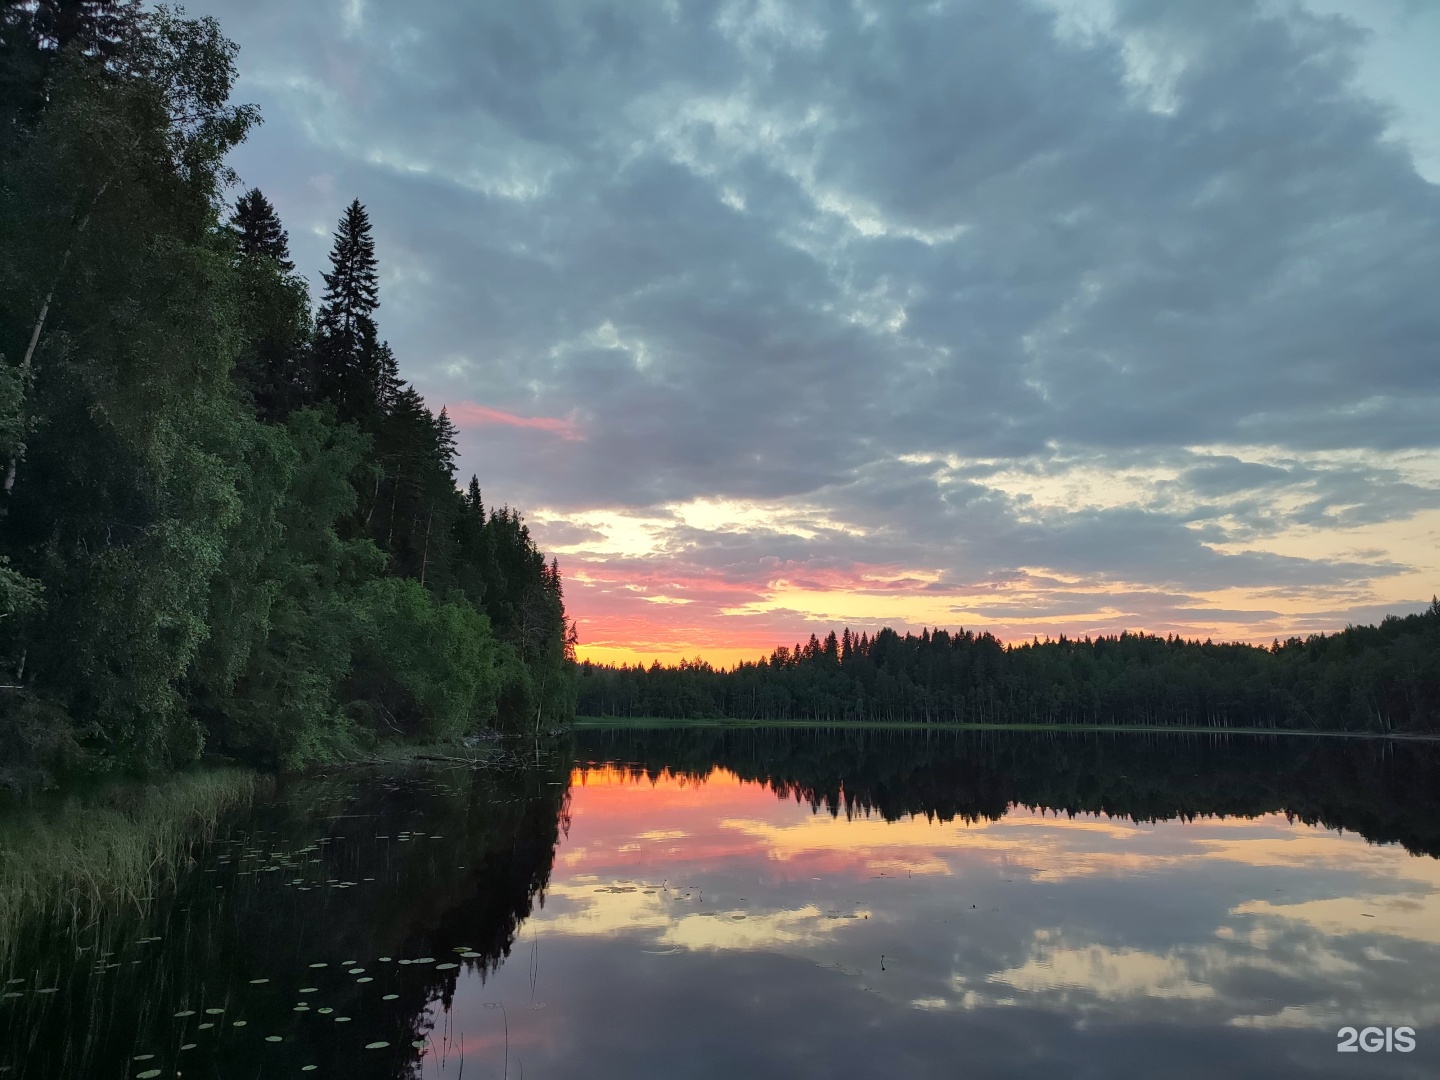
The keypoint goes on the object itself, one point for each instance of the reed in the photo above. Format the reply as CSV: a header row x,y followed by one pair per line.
x,y
70,860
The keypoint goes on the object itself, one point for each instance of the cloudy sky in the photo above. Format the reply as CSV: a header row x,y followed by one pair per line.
x,y
777,315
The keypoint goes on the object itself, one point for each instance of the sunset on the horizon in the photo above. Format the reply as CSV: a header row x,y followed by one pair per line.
x,y
767,539
1062,317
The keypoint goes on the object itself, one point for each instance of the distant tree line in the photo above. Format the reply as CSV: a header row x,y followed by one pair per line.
x,y
1371,678
226,521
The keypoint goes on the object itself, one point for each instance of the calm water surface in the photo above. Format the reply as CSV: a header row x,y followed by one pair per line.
x,y
781,903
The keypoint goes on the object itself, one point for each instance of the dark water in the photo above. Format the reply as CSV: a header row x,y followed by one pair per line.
x,y
782,903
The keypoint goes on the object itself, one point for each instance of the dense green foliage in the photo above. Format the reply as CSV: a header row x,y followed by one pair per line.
x,y
1371,678
227,523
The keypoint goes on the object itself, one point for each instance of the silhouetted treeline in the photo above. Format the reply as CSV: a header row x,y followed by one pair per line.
x,y
1369,678
1387,792
228,523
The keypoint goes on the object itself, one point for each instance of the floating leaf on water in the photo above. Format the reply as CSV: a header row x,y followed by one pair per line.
x,y
48,990
419,1044
187,1046
321,964
238,1023
389,997
143,1057
326,1011
308,989
470,955
308,1068
11,994
147,1074
376,1045
258,982
273,1038
342,1019
356,971
426,960
384,959
407,961
301,1008
445,967
213,1012
364,979
205,1025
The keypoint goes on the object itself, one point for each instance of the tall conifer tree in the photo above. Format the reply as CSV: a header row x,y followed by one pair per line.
x,y
258,230
349,357
275,365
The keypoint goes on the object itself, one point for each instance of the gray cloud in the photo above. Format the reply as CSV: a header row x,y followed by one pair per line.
x,y
762,250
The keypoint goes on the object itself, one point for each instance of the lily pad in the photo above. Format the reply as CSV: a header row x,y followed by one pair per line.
x,y
308,989
342,1019
143,1057
390,997
213,1012
147,1074
356,971
321,964
258,982
325,1011
380,1045
364,979
187,1046
273,1038
308,1068
445,967
238,1023
205,1025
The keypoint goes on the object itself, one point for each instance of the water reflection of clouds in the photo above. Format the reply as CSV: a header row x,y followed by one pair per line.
x,y
1244,923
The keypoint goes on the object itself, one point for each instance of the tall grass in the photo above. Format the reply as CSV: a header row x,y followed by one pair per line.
x,y
68,862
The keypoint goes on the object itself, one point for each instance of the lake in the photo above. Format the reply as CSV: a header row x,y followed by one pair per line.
x,y
714,902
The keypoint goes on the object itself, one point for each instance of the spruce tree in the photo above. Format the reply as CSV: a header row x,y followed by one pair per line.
x,y
257,229
348,356
274,365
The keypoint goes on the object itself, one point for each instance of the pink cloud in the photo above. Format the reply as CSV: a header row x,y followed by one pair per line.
x,y
468,414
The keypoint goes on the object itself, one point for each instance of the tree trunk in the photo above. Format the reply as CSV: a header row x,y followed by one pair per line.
x,y
425,556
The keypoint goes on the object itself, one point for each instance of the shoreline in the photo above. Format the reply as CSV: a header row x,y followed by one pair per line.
x,y
596,723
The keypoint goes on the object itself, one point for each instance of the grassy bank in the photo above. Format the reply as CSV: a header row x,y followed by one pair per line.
x,y
665,722
67,859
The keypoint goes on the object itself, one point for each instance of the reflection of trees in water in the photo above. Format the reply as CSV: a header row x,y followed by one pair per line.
x,y
1386,792
223,929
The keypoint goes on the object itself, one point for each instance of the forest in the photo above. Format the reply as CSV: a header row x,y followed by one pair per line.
x,y
1382,678
228,525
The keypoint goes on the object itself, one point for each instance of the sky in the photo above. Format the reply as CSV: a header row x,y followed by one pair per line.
x,y
1041,317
